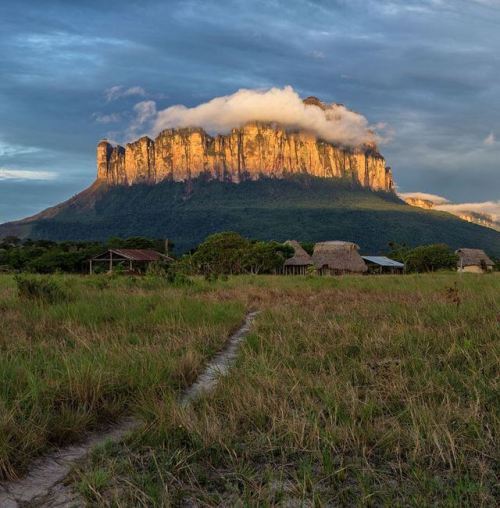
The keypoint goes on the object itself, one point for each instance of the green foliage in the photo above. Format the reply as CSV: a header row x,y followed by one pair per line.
x,y
425,258
230,253
308,247
221,253
157,269
39,288
42,256
137,242
304,208
496,267
45,256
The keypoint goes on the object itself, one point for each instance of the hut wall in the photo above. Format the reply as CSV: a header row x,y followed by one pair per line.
x,y
471,269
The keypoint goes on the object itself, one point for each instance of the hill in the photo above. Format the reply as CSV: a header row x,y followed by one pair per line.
x,y
300,207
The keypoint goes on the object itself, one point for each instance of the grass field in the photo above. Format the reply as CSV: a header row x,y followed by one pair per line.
x,y
348,391
110,347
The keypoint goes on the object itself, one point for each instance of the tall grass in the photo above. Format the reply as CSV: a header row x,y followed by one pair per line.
x,y
115,346
350,391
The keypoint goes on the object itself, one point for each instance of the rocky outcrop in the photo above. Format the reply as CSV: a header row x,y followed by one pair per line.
x,y
245,153
420,202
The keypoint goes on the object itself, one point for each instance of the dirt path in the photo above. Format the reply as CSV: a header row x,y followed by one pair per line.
x,y
44,485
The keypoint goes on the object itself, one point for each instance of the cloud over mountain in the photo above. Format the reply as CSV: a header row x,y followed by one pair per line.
x,y
334,123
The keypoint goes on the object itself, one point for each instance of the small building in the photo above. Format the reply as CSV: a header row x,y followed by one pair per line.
x,y
129,259
299,262
382,264
337,258
473,261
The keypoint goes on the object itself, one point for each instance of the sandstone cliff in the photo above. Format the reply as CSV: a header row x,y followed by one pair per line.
x,y
245,153
421,203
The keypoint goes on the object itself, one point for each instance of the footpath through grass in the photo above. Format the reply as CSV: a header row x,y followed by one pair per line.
x,y
111,346
352,391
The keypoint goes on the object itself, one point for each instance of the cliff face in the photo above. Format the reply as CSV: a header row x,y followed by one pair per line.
x,y
245,153
421,203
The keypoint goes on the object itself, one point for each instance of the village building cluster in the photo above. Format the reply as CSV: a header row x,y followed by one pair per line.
x,y
328,258
337,258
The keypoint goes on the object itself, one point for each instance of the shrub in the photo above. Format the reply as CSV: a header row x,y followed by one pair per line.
x,y
178,279
42,289
425,258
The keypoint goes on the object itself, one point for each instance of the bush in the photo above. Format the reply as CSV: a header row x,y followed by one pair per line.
x,y
42,289
178,279
425,258
230,253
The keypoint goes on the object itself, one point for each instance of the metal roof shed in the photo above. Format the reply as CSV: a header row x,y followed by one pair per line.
x,y
383,264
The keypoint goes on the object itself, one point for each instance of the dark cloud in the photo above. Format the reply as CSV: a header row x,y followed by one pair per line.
x,y
428,68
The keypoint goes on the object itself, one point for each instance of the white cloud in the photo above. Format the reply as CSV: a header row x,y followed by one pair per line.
x,y
434,198
18,174
119,91
491,208
318,55
490,140
145,112
336,124
107,118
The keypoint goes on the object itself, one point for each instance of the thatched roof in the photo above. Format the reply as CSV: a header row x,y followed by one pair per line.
x,y
341,256
300,258
473,257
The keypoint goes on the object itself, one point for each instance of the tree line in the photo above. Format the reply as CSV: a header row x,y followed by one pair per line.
x,y
225,253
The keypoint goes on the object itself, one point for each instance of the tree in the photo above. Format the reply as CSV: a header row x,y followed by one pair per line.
x,y
266,257
425,258
136,242
230,253
221,253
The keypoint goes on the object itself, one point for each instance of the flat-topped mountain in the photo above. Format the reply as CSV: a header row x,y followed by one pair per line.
x,y
261,179
248,152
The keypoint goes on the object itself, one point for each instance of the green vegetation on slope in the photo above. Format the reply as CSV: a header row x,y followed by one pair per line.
x,y
303,208
352,391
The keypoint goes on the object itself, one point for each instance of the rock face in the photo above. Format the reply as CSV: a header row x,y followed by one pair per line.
x,y
245,153
421,203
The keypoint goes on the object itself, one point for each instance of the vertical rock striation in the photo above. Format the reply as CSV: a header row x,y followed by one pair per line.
x,y
245,153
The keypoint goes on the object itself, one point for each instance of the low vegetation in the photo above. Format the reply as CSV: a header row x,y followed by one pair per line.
x,y
299,207
76,353
353,390
225,253
44,256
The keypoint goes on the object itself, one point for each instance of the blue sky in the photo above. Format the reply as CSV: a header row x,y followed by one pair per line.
x,y
72,72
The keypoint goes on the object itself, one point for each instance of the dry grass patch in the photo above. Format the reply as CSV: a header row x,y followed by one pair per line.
x,y
362,390
113,347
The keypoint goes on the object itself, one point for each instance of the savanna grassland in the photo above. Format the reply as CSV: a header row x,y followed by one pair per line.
x,y
352,391
103,348
374,390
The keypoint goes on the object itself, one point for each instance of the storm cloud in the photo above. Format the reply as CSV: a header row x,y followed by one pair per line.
x,y
74,72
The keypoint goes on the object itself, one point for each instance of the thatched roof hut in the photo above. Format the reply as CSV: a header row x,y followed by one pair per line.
x,y
299,262
338,257
473,260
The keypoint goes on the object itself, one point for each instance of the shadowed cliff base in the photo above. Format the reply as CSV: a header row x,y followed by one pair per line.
x,y
301,207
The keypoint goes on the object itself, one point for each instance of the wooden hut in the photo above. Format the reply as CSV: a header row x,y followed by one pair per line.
x,y
382,264
473,261
299,262
130,259
337,258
